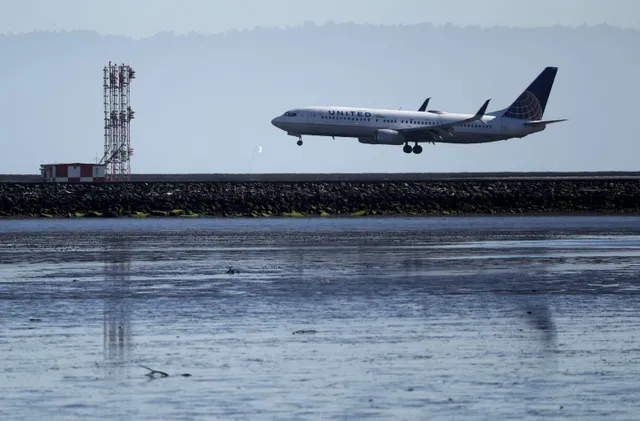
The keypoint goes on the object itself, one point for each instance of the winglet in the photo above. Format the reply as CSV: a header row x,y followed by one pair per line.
x,y
481,111
423,107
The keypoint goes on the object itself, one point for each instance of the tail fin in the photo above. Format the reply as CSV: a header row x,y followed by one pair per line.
x,y
531,104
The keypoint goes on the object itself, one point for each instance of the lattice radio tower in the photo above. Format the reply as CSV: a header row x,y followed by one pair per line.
x,y
117,122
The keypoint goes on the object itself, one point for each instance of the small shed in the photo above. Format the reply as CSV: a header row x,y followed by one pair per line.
x,y
73,173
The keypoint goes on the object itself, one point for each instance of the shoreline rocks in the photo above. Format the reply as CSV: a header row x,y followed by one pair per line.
x,y
263,199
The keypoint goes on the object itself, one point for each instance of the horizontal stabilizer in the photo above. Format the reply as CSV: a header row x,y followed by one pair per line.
x,y
543,122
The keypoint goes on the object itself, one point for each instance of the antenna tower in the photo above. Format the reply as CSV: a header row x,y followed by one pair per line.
x,y
117,121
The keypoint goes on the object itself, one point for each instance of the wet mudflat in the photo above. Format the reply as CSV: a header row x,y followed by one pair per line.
x,y
377,319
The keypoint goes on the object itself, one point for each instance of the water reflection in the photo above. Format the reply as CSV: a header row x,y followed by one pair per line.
x,y
540,318
117,333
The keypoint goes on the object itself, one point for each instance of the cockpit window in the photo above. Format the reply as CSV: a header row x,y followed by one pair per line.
x,y
290,114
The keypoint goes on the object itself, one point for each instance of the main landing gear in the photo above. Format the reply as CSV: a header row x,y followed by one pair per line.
x,y
417,149
299,142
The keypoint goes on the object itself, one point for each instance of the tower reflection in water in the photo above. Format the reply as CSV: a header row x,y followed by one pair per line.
x,y
117,334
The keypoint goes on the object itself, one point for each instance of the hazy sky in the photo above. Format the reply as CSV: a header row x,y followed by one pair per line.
x,y
147,17
54,80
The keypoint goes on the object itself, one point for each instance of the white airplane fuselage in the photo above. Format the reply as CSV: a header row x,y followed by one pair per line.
x,y
363,123
395,127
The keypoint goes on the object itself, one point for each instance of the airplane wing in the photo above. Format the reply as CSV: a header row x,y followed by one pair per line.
x,y
444,129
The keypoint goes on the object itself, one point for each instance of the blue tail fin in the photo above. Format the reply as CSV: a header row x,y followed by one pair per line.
x,y
531,104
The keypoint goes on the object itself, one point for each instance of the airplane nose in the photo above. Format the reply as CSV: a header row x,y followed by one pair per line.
x,y
276,122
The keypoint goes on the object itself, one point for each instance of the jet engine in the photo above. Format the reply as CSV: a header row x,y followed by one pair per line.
x,y
384,137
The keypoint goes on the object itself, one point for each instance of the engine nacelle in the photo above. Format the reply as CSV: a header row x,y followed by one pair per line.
x,y
384,137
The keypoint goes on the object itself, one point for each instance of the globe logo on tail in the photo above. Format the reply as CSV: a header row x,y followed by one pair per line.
x,y
526,107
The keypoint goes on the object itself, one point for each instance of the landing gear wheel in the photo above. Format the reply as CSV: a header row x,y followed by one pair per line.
x,y
299,142
417,149
407,148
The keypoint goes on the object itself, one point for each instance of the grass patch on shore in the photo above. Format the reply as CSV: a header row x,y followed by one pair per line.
x,y
319,211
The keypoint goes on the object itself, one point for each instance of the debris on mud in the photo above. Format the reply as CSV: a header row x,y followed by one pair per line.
x,y
152,372
305,332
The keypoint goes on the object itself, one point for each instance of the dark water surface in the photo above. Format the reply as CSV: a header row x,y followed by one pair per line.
x,y
418,318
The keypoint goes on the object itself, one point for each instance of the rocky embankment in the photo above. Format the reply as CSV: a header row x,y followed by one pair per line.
x,y
321,198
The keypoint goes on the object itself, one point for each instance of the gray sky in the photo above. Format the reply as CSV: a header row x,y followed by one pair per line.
x,y
147,17
54,81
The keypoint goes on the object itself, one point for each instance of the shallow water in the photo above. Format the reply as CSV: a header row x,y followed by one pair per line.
x,y
413,318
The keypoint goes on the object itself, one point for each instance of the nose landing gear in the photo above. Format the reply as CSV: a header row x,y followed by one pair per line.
x,y
299,136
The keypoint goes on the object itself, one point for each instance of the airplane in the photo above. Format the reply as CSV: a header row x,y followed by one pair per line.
x,y
391,127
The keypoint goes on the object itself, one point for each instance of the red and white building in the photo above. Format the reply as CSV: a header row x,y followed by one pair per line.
x,y
73,173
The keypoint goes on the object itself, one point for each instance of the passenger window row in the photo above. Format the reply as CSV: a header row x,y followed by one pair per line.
x,y
431,123
346,118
